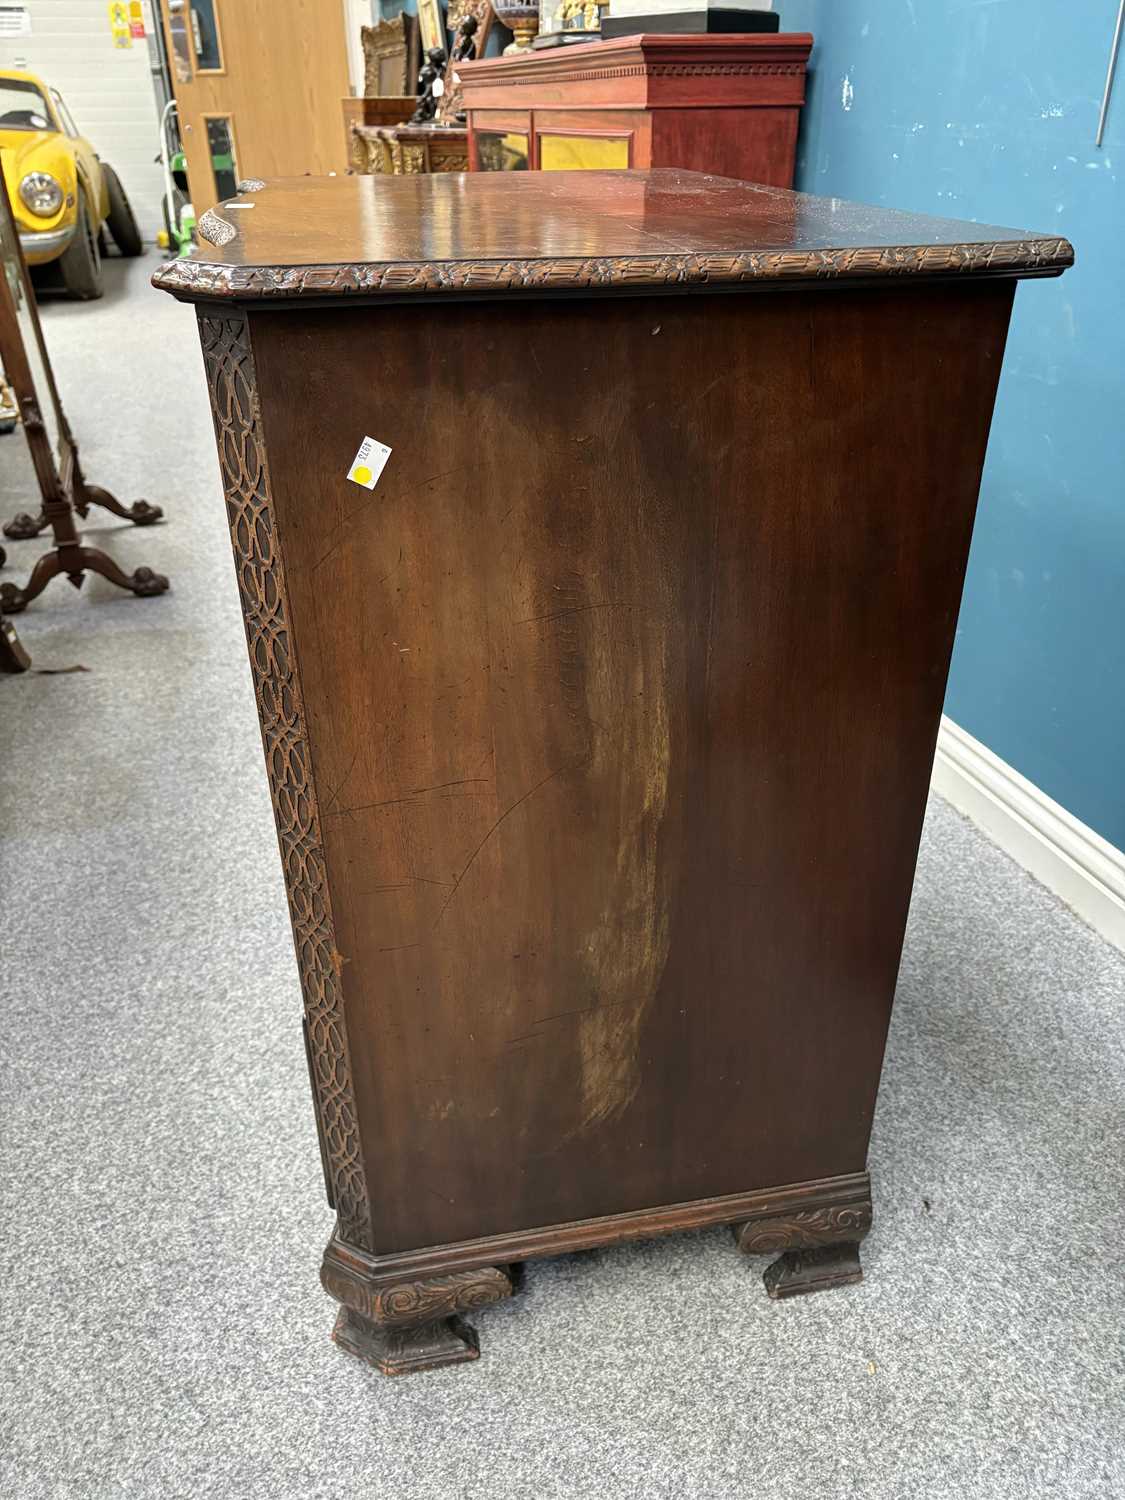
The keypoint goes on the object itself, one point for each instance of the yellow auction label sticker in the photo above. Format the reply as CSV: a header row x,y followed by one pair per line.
x,y
369,463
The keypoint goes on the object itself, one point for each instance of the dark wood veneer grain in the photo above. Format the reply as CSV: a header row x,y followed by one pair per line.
x,y
622,723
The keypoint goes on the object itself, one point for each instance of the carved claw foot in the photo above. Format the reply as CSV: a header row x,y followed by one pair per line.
x,y
410,1325
12,599
820,1246
145,583
142,513
24,527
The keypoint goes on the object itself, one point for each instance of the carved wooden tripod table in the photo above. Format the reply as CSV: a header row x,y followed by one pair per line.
x,y
54,453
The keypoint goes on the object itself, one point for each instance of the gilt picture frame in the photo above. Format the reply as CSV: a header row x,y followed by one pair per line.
x,y
431,25
386,60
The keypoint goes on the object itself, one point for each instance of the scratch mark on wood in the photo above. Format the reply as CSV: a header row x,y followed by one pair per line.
x,y
443,784
583,1010
577,609
707,389
343,812
341,784
508,811
335,547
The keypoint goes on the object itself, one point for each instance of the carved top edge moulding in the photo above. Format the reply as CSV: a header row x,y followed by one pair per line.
x,y
574,231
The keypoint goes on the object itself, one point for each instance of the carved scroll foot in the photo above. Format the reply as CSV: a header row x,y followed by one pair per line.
x,y
409,1325
141,512
402,1351
23,527
820,1245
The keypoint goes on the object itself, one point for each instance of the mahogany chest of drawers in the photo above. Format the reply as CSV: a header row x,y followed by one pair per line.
x,y
598,713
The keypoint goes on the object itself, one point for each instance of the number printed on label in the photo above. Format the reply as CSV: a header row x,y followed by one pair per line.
x,y
369,463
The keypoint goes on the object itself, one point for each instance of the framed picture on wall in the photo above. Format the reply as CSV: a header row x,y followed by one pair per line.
x,y
431,24
386,63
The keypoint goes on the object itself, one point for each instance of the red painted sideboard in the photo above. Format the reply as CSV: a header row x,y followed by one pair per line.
x,y
725,104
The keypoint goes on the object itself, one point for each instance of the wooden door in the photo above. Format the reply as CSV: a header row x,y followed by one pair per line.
x,y
258,84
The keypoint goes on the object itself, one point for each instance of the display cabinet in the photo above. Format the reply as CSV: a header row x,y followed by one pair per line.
x,y
600,541
727,104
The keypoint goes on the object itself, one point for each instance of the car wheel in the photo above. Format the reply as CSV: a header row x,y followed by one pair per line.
x,y
80,263
122,225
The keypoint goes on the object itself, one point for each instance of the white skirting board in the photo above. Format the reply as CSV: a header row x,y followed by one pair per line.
x,y
1070,859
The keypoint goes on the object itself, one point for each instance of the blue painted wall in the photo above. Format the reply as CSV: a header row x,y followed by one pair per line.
x,y
987,109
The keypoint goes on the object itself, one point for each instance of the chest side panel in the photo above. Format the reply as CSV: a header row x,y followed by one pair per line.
x,y
621,690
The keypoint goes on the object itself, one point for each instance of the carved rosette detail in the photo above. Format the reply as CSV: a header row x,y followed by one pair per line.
x,y
806,1229
1006,257
265,607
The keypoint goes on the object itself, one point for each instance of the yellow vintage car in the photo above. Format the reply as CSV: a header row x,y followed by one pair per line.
x,y
63,198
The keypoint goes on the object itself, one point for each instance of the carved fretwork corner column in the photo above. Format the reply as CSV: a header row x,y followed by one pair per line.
x,y
818,1242
407,1325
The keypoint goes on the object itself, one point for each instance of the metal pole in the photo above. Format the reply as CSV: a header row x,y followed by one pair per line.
x,y
1109,72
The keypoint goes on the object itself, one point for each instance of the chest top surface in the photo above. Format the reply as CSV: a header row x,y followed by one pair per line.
x,y
494,233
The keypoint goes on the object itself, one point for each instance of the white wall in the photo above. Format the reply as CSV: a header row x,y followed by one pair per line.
x,y
108,91
357,14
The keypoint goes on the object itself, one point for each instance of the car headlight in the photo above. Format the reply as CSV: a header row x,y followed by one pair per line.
x,y
41,193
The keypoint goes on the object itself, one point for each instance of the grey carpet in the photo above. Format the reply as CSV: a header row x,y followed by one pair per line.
x,y
163,1332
